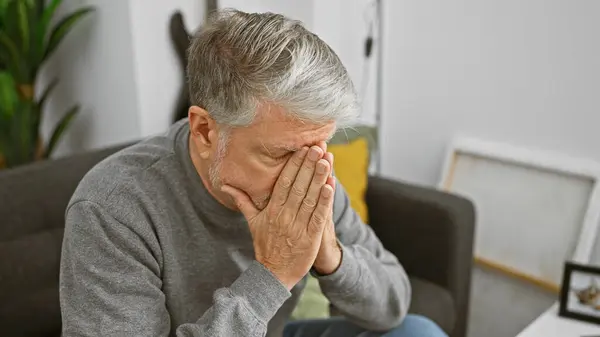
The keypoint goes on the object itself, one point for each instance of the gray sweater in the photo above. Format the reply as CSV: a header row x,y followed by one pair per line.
x,y
148,251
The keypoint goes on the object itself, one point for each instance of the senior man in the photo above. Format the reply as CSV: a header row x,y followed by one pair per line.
x,y
210,229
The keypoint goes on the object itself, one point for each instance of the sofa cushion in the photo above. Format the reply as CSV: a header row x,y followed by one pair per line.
x,y
34,314
351,165
34,198
33,262
434,302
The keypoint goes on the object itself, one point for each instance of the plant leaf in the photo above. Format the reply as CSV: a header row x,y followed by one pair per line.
x,y
10,21
3,7
17,136
23,25
11,48
27,137
47,16
8,94
39,6
59,129
42,102
47,92
62,28
33,16
21,145
44,23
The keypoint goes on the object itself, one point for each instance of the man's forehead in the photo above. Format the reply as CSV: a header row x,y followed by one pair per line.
x,y
279,130
296,142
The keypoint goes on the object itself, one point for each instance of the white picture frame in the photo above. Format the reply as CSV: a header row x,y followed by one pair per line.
x,y
493,247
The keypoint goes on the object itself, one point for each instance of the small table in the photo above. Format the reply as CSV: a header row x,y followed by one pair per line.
x,y
549,324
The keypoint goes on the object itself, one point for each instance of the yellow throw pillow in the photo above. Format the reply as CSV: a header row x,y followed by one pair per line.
x,y
351,166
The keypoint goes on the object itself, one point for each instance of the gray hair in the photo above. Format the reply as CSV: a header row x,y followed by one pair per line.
x,y
239,61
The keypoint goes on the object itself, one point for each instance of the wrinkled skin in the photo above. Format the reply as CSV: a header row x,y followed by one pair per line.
x,y
277,172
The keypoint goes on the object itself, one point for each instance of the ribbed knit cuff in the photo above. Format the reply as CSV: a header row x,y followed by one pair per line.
x,y
345,278
262,291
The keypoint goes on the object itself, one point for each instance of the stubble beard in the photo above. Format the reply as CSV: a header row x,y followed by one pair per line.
x,y
214,172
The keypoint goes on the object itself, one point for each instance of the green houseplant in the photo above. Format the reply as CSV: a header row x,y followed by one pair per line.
x,y
27,39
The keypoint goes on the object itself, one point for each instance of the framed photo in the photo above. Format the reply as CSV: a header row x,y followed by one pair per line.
x,y
535,209
580,293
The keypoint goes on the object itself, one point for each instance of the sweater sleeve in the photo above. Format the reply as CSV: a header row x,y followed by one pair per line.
x,y
370,287
110,285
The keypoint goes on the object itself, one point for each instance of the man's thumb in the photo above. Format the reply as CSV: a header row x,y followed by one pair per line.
x,y
242,201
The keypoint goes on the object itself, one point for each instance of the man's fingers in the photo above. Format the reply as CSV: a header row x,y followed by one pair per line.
x,y
331,182
303,180
287,177
320,216
323,146
314,190
329,157
242,201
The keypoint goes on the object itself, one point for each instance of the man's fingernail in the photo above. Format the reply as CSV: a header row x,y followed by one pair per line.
x,y
314,153
327,192
321,168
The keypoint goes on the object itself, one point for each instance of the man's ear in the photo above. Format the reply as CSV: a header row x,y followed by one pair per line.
x,y
202,130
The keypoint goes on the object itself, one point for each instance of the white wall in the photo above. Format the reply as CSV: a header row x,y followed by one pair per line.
x,y
297,9
158,74
95,67
484,68
120,66
524,72
343,24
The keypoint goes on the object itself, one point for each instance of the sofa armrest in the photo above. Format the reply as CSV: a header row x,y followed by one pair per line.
x,y
430,232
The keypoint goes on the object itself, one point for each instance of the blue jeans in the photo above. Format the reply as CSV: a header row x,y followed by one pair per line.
x,y
412,326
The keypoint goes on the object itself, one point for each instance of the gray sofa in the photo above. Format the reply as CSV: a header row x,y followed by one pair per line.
x,y
429,231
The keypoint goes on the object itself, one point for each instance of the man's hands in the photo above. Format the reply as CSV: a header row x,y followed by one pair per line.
x,y
329,257
288,234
